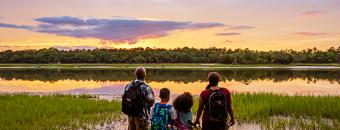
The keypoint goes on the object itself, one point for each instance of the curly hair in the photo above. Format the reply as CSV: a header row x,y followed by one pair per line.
x,y
184,102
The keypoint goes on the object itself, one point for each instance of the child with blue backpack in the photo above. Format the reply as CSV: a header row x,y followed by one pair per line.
x,y
163,115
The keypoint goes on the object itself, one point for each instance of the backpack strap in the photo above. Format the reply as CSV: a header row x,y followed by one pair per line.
x,y
137,84
133,83
212,91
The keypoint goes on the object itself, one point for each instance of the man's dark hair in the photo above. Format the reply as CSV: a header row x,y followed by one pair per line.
x,y
164,93
140,73
213,78
184,102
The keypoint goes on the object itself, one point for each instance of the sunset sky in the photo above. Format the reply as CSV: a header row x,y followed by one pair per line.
x,y
254,24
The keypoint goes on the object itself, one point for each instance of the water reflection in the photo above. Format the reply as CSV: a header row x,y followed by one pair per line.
x,y
245,76
317,82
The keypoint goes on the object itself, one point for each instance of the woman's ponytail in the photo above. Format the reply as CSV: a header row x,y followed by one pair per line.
x,y
208,86
213,78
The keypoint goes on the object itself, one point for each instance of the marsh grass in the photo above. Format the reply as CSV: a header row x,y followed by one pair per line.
x,y
85,111
55,112
286,112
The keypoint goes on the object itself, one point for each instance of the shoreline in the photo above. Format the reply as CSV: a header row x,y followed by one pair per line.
x,y
178,66
112,96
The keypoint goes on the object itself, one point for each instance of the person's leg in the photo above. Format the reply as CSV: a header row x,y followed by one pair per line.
x,y
214,126
132,124
142,124
205,126
227,127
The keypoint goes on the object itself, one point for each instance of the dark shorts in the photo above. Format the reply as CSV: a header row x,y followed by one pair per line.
x,y
138,123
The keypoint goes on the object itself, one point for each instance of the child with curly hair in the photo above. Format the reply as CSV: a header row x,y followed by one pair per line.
x,y
183,104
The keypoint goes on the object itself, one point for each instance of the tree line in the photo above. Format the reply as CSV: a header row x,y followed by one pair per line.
x,y
177,55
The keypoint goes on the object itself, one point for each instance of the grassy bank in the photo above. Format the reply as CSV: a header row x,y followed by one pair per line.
x,y
157,66
269,110
55,112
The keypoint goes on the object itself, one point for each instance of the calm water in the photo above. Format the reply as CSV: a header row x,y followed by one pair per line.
x,y
284,81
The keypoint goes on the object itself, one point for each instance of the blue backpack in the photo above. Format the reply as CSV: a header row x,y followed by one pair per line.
x,y
161,116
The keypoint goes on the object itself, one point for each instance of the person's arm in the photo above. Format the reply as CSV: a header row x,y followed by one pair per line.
x,y
230,110
151,112
173,115
190,116
150,97
199,110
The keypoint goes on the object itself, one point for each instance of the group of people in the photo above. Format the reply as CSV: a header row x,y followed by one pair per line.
x,y
138,102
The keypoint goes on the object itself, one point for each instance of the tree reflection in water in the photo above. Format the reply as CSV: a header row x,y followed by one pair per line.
x,y
245,76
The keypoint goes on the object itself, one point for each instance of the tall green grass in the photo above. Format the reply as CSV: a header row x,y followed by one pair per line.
x,y
55,112
286,112
72,112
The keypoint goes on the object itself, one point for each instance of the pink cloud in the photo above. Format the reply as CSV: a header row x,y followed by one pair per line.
x,y
228,41
310,33
240,27
120,30
228,34
66,48
311,13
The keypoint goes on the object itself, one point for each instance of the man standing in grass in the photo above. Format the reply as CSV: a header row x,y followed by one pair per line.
x,y
137,100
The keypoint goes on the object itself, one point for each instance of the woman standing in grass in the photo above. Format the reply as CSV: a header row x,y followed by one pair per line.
x,y
216,103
